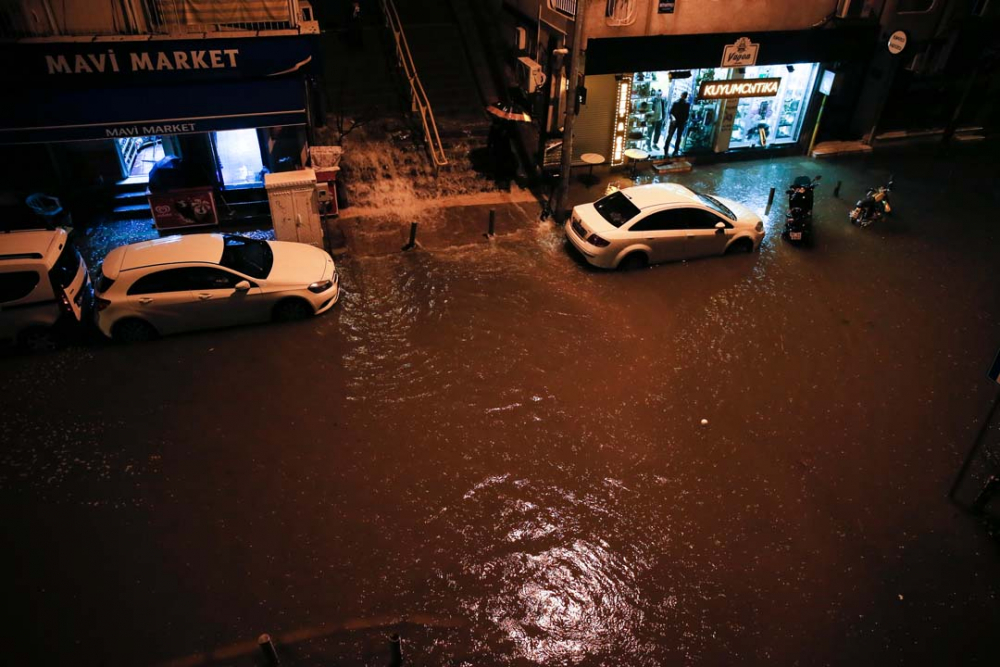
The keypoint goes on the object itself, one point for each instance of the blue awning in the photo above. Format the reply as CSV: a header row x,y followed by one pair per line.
x,y
44,115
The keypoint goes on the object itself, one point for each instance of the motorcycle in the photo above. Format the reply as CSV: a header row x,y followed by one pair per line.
x,y
874,206
798,219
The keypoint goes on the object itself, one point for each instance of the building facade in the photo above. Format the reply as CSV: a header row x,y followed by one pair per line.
x,y
101,91
756,74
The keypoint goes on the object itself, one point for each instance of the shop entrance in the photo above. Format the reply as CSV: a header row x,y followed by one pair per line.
x,y
137,155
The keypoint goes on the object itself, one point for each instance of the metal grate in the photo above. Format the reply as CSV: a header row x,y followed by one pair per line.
x,y
567,7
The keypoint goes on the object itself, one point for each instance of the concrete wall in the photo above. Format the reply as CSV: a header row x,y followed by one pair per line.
x,y
693,16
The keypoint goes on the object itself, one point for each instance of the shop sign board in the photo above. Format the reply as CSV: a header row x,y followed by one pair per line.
x,y
741,53
897,42
735,88
666,7
85,64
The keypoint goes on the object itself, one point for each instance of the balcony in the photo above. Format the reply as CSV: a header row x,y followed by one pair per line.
x,y
69,19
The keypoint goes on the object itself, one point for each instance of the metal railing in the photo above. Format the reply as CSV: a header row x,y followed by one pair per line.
x,y
419,98
51,18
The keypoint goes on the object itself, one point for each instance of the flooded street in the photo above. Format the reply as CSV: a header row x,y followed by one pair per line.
x,y
498,452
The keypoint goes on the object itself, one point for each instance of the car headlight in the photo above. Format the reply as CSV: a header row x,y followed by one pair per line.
x,y
320,287
760,226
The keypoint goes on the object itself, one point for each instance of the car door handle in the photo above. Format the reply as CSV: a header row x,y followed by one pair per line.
x,y
204,297
144,300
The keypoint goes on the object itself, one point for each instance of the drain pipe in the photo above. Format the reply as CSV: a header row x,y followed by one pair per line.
x,y
575,70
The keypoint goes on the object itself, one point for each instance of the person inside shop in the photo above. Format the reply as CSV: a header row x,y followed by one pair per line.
x,y
657,117
678,119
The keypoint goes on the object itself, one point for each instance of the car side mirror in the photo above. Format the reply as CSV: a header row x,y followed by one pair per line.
x,y
720,228
242,286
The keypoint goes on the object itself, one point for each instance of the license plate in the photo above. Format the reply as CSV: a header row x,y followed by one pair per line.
x,y
795,236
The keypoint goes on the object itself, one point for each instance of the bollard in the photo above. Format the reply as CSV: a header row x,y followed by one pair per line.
x,y
836,190
770,200
493,220
413,237
395,650
267,649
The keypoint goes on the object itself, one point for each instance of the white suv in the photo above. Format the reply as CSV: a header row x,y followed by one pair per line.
x,y
203,281
44,287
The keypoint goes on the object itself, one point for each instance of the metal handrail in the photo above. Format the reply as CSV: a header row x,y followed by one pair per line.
x,y
420,101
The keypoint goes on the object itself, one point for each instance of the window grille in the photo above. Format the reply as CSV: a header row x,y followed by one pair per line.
x,y
567,7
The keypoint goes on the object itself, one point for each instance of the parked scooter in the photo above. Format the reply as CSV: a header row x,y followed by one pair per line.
x,y
798,219
874,206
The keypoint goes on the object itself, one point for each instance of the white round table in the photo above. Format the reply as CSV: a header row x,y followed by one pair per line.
x,y
591,159
636,155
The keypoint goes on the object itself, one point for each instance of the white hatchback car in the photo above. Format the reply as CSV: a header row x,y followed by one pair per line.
x,y
44,287
202,281
660,222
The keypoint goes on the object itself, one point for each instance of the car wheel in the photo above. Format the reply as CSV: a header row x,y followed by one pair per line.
x,y
291,310
133,331
740,245
38,339
633,262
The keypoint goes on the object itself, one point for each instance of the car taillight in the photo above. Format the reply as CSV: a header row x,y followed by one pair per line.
x,y
64,301
100,304
596,240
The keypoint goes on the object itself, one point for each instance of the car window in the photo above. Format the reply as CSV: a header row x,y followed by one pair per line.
x,y
701,219
661,221
66,267
208,279
616,208
168,280
17,285
248,256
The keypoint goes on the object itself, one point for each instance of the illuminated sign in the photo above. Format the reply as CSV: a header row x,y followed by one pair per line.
x,y
740,53
724,90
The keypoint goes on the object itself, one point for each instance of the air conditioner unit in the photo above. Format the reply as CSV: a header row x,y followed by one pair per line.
x,y
530,76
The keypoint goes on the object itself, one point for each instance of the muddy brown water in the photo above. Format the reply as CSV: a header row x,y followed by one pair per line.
x,y
498,452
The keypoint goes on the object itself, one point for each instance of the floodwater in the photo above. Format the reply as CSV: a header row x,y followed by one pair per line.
x,y
499,453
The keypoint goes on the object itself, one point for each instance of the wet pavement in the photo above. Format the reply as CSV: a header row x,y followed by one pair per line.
x,y
498,453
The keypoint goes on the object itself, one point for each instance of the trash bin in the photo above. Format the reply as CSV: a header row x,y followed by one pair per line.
x,y
49,209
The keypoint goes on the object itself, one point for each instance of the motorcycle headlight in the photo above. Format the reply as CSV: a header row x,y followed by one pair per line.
x,y
321,286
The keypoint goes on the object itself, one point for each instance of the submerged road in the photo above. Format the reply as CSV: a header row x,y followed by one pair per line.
x,y
498,453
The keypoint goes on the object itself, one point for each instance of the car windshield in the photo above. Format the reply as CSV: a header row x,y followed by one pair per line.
x,y
616,208
715,205
248,256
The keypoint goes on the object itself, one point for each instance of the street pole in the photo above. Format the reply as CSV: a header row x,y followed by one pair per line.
x,y
575,70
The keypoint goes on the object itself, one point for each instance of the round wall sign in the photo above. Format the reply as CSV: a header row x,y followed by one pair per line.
x,y
897,42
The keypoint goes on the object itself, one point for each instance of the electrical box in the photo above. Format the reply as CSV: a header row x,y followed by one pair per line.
x,y
520,39
295,206
530,76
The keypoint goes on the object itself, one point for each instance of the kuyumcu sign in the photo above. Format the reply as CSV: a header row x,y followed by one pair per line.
x,y
724,90
740,53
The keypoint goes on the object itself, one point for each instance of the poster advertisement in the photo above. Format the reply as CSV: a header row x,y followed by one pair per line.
x,y
666,7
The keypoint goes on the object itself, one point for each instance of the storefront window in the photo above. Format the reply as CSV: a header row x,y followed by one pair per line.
x,y
239,156
648,127
764,121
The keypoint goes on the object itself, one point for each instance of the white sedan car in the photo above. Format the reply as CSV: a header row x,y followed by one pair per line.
x,y
201,281
660,222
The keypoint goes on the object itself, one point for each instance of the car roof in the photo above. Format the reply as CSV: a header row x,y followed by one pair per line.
x,y
169,250
34,244
660,194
